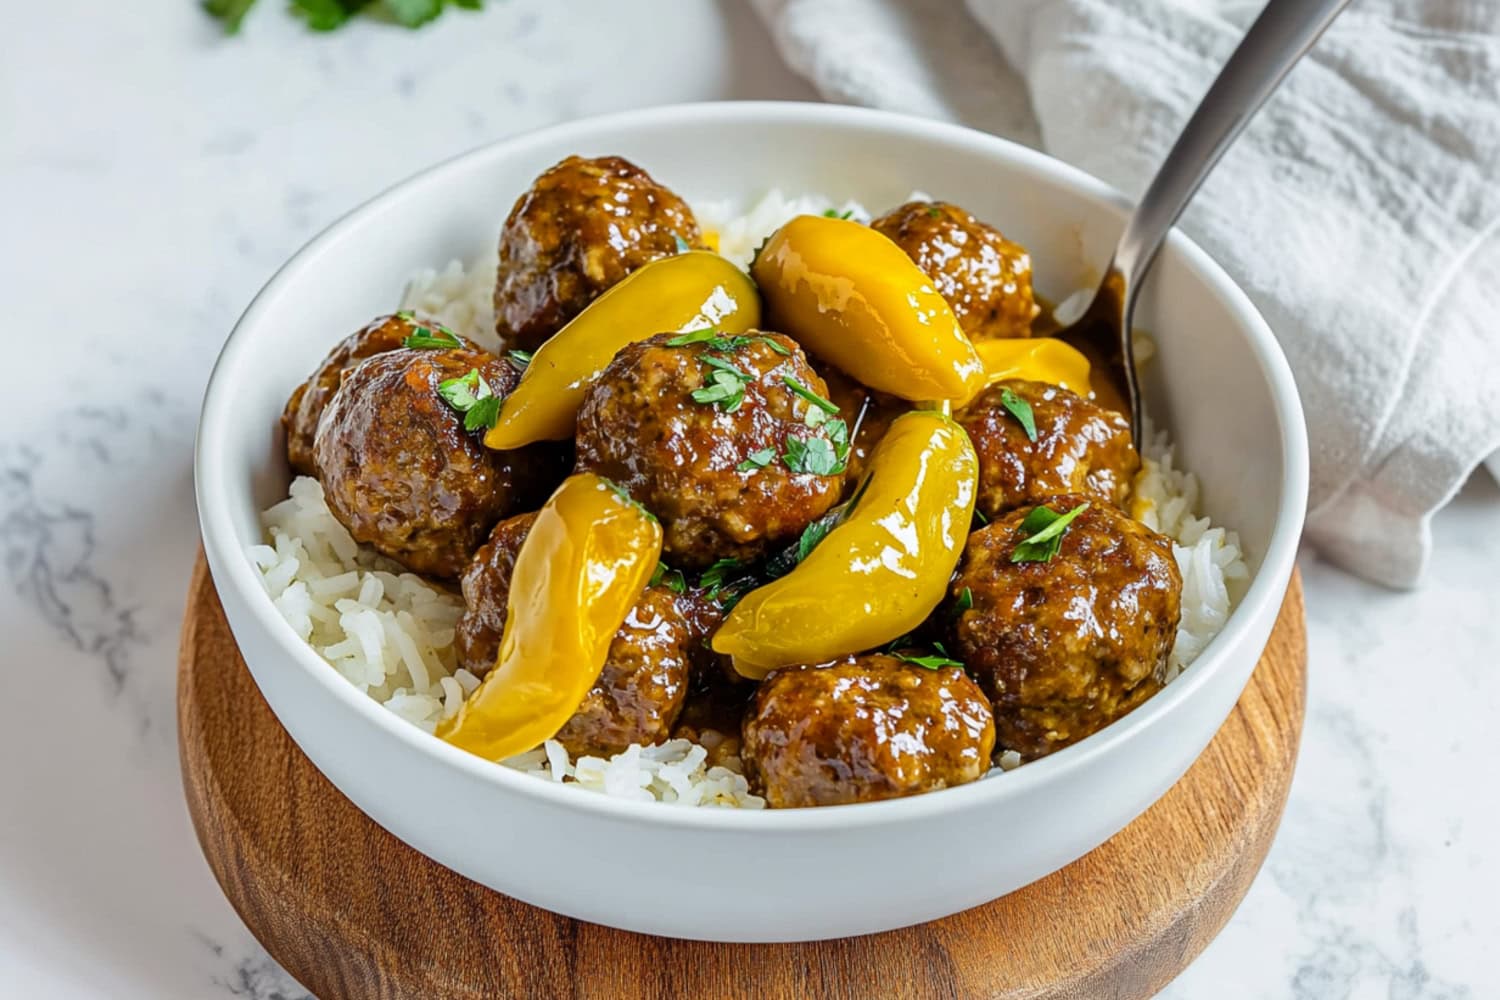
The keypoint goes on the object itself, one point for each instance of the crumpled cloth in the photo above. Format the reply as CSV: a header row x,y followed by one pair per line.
x,y
1360,210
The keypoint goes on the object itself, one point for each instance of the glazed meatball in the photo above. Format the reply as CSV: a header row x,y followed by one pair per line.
x,y
580,228
1080,447
863,729
868,413
726,461
486,589
399,470
310,399
1065,646
984,276
641,689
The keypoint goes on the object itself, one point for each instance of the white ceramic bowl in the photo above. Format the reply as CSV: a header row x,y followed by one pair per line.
x,y
1220,383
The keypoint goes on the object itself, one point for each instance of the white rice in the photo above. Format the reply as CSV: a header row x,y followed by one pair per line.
x,y
390,633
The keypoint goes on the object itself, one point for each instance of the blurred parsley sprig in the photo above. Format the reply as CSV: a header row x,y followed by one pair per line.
x,y
329,15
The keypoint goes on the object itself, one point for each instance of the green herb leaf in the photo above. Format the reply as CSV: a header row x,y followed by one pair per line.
x,y
796,386
775,345
937,661
727,390
833,213
440,339
707,333
472,396
757,460
231,12
964,603
672,579
933,212
979,516
620,492
720,364
814,456
1044,528
726,581
682,244
414,13
519,359
1021,410
327,15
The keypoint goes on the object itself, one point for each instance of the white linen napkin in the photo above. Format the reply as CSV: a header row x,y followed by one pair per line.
x,y
1360,211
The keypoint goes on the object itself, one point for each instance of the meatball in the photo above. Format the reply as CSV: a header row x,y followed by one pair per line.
x,y
581,227
868,413
1080,447
399,469
1065,646
640,691
718,439
486,589
863,729
984,276
310,399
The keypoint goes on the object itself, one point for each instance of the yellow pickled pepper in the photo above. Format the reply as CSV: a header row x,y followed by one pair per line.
x,y
583,566
877,574
672,295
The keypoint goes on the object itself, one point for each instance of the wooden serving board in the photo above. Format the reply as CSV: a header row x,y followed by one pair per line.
x,y
1118,923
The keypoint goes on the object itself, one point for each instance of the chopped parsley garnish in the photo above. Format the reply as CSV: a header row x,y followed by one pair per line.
x,y
793,384
757,460
1044,528
1021,410
719,364
329,15
472,396
620,492
725,581
936,661
682,244
672,579
725,389
981,517
933,212
520,359
833,213
964,603
713,340
422,338
814,456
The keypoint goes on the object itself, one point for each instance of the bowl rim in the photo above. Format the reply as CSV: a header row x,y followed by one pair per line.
x,y
232,568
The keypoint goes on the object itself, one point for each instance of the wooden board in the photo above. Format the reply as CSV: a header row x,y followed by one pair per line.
x,y
1119,923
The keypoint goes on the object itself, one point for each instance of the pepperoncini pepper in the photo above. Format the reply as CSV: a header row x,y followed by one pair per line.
x,y
850,295
877,574
1035,359
583,566
674,294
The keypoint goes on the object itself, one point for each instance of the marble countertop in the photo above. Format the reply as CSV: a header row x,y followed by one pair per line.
x,y
153,174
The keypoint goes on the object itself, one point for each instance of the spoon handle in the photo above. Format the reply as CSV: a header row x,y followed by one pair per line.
x,y
1280,36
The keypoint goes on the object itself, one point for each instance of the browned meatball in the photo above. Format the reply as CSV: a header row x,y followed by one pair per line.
x,y
1066,646
303,410
730,473
863,729
399,470
486,589
869,414
581,227
641,689
1081,447
984,276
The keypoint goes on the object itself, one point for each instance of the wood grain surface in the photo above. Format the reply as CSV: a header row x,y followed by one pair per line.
x,y
354,913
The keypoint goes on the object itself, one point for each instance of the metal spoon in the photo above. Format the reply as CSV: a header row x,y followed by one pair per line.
x,y
1280,36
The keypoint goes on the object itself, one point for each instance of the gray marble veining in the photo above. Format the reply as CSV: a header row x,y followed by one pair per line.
x,y
153,174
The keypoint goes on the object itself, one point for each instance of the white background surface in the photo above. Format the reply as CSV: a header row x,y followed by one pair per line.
x,y
154,174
